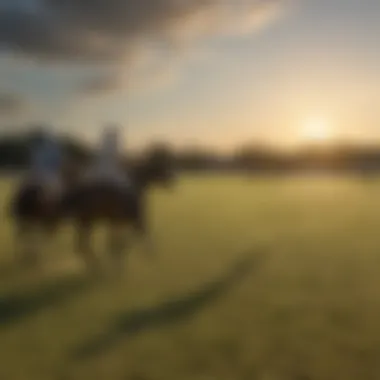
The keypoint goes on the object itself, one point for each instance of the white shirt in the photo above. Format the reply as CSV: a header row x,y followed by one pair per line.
x,y
106,166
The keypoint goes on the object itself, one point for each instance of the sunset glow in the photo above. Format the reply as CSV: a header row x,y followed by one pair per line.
x,y
285,73
316,130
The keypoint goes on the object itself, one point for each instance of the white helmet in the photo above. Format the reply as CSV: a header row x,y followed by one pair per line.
x,y
110,137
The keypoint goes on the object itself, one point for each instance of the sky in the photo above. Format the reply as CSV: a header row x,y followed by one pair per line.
x,y
210,72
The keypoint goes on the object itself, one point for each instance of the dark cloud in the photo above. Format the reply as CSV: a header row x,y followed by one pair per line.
x,y
11,104
118,31
43,36
109,30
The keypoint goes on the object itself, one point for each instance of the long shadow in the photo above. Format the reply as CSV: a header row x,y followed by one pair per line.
x,y
16,307
12,269
8,270
132,323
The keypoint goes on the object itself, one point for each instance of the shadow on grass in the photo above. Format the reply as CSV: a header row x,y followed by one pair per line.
x,y
18,306
9,269
13,269
131,323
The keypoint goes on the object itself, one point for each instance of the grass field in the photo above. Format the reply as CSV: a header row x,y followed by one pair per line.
x,y
310,309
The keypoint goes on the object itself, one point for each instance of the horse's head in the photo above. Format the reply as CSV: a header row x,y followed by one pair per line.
x,y
157,168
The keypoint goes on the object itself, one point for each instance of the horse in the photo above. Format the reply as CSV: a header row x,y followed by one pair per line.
x,y
36,212
117,206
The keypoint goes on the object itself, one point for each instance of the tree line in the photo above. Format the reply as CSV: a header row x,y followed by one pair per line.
x,y
15,152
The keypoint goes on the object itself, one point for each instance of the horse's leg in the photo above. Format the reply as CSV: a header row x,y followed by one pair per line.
x,y
49,229
21,234
84,247
26,243
117,243
141,227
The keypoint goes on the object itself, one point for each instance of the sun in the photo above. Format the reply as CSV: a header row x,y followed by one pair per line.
x,y
316,130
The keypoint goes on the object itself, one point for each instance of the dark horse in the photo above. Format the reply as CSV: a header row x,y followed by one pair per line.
x,y
36,213
119,207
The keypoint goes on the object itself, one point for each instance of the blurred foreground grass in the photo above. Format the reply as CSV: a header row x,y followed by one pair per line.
x,y
310,310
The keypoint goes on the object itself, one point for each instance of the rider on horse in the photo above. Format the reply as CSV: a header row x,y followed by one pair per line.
x,y
107,167
46,162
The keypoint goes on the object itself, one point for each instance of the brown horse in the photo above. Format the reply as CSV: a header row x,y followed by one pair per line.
x,y
36,213
119,207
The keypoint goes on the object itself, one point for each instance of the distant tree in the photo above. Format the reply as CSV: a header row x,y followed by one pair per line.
x,y
261,158
14,153
197,159
160,154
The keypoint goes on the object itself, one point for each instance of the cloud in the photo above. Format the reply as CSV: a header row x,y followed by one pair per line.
x,y
101,84
11,104
120,31
101,30
155,72
109,83
254,17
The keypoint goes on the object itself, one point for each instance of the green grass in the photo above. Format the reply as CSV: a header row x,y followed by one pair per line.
x,y
309,310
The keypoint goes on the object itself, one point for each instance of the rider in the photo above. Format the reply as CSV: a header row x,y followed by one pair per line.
x,y
107,167
46,162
